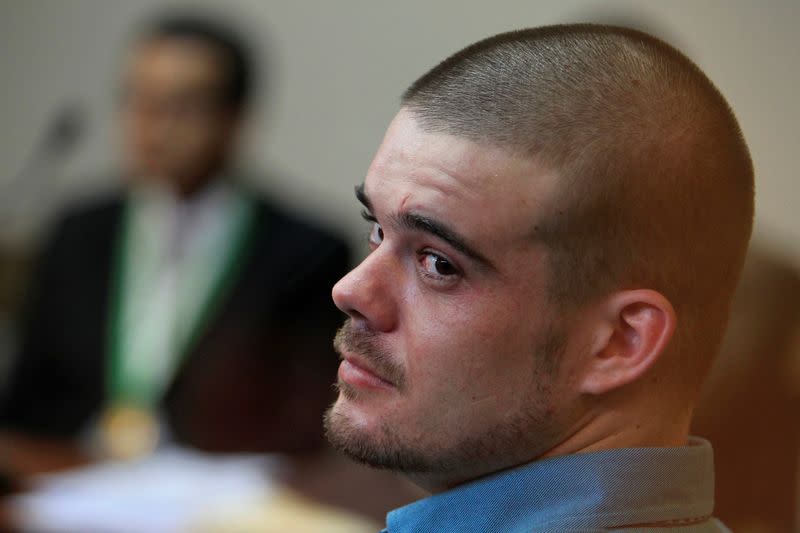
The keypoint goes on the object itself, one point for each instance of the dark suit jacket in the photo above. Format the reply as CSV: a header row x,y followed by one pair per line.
x,y
258,377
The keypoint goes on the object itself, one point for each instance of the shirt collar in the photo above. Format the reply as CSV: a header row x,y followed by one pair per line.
x,y
574,492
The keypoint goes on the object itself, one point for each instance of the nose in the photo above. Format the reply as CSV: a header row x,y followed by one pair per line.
x,y
365,293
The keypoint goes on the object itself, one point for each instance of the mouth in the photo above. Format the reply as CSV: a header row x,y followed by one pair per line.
x,y
358,373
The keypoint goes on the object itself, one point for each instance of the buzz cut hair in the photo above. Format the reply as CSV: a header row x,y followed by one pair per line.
x,y
655,179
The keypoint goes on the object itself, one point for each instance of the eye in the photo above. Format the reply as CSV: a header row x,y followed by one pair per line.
x,y
375,234
438,266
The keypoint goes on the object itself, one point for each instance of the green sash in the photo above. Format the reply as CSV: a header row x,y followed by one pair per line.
x,y
121,389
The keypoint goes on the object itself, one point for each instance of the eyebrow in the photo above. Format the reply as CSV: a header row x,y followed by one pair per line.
x,y
362,196
418,222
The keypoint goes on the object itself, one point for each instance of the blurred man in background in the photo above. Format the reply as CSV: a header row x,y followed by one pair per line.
x,y
559,220
188,307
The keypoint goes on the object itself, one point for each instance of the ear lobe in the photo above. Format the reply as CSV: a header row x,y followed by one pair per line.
x,y
632,331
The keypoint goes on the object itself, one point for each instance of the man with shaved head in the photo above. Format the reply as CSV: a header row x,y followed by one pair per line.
x,y
558,220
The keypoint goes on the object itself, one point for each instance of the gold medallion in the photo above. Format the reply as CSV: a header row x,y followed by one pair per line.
x,y
129,432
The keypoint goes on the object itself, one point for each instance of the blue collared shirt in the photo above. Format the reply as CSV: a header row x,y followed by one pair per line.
x,y
589,492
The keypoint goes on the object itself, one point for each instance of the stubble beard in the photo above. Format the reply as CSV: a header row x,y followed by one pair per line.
x,y
487,450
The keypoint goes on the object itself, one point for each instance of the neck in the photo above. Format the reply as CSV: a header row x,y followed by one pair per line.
x,y
607,429
186,191
607,433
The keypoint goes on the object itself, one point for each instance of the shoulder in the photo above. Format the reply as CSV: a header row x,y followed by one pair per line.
x,y
90,215
77,243
295,233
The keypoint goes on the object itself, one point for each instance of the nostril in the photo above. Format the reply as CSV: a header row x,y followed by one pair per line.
x,y
352,313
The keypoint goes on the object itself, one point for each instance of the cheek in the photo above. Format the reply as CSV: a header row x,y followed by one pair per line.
x,y
136,132
467,346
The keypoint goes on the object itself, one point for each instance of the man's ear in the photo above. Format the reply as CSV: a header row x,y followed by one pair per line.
x,y
632,329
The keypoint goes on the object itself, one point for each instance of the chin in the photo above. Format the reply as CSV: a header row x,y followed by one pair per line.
x,y
373,441
348,431
352,413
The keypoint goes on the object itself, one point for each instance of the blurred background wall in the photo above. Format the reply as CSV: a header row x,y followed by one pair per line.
x,y
336,70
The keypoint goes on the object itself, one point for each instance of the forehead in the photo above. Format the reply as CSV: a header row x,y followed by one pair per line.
x,y
460,178
176,61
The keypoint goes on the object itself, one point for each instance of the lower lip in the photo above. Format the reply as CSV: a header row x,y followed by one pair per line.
x,y
359,377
